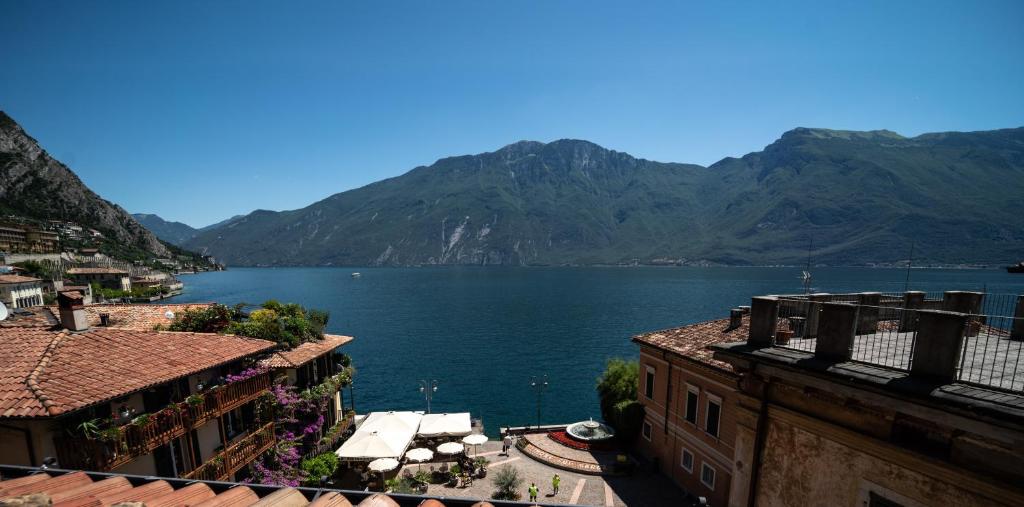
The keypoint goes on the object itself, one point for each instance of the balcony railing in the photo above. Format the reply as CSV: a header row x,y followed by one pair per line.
x,y
132,440
237,455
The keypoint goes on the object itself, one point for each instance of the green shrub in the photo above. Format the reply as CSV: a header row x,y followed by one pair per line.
x,y
287,324
507,481
323,465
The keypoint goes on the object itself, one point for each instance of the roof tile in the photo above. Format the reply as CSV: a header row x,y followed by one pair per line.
x,y
692,341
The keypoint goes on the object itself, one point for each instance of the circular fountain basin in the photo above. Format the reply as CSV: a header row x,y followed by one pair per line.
x,y
590,431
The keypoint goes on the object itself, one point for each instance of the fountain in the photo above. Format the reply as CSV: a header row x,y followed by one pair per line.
x,y
590,431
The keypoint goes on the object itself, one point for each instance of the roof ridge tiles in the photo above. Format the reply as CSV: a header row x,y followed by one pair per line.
x,y
32,381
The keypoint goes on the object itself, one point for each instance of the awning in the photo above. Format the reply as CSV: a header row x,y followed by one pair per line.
x,y
381,435
445,425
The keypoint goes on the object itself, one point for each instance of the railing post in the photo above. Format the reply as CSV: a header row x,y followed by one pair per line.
x,y
837,328
764,314
1017,329
912,300
814,302
962,302
868,315
938,346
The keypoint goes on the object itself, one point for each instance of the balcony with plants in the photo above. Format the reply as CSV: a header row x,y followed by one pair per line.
x,y
102,445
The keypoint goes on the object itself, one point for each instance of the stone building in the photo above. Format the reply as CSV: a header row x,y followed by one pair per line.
x,y
17,291
873,399
689,399
111,278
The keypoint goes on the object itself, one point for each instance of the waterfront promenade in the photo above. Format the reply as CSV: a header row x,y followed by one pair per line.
x,y
642,488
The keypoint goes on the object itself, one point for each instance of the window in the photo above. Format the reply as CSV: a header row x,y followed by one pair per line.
x,y
692,394
707,476
687,460
649,384
647,431
712,415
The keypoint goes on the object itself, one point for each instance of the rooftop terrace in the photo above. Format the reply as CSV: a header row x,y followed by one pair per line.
x,y
964,347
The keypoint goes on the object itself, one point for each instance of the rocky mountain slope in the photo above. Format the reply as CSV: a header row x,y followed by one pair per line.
x,y
862,197
35,185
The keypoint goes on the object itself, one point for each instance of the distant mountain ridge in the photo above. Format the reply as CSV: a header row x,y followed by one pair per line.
x,y
861,197
175,233
35,185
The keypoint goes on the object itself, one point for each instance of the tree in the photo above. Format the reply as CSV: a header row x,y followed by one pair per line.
x,y
618,383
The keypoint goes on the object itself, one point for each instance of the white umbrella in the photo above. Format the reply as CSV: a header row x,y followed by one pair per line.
x,y
383,465
451,448
474,440
419,455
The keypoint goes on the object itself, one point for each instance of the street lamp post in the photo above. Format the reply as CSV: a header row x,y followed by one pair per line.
x,y
428,388
539,386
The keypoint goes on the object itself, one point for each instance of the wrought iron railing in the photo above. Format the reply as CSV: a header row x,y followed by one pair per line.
x,y
237,455
886,331
112,448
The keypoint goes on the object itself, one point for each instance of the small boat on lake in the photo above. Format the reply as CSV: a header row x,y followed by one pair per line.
x,y
356,275
1019,268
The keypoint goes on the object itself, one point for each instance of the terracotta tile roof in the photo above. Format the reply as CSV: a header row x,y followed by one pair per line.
x,y
36,316
141,317
96,271
16,279
48,372
80,490
692,341
305,352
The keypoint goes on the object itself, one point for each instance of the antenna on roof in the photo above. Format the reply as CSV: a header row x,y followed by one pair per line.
x,y
910,261
807,271
3,311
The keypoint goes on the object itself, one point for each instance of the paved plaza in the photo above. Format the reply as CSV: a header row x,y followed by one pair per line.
x,y
640,489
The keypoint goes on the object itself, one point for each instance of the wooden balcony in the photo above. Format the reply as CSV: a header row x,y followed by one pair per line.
x,y
132,441
237,455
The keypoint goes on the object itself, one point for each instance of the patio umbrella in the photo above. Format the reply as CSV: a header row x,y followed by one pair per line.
x,y
419,455
451,448
383,465
474,440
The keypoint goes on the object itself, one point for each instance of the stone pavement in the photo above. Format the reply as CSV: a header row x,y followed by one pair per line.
x,y
641,489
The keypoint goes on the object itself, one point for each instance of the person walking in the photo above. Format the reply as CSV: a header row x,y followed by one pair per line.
x,y
555,481
506,444
533,491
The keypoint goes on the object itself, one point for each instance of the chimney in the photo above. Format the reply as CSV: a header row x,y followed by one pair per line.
x,y
104,319
72,311
735,318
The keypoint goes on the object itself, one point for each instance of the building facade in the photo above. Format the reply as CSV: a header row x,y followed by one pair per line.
x,y
111,278
133,401
880,400
17,291
689,399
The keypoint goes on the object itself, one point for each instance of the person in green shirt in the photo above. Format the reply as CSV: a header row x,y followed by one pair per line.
x,y
533,492
555,481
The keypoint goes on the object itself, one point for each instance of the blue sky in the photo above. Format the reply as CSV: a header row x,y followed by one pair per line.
x,y
198,111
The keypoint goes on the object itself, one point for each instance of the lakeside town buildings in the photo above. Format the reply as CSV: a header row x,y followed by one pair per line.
x,y
172,413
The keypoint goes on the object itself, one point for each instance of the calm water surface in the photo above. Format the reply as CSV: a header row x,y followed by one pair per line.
x,y
484,332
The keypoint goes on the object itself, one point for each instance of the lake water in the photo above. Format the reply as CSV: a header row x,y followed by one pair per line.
x,y
483,333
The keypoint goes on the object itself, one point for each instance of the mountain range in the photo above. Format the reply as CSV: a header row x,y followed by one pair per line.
x,y
845,197
34,185
848,197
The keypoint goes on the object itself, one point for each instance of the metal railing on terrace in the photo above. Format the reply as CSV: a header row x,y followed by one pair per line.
x,y
883,328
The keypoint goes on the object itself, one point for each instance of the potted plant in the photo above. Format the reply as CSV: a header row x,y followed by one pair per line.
x,y
481,467
453,475
421,479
